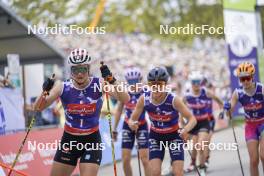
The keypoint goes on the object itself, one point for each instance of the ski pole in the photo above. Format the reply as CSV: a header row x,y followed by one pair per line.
x,y
110,128
44,94
234,134
138,157
109,117
197,170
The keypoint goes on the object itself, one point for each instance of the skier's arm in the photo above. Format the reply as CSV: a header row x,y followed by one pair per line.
x,y
181,119
136,113
233,101
43,101
121,96
182,108
215,98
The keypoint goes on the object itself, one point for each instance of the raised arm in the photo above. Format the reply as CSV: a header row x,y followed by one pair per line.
x,y
119,94
43,101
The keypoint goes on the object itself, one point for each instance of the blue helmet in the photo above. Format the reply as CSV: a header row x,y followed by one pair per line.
x,y
158,74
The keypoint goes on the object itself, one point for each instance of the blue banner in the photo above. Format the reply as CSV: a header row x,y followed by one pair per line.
x,y
11,110
234,61
242,43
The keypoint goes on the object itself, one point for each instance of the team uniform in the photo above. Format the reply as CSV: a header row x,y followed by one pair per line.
x,y
164,128
82,112
128,136
199,107
254,112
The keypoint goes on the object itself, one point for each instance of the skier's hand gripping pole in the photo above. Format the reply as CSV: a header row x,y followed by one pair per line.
x,y
107,75
227,109
45,92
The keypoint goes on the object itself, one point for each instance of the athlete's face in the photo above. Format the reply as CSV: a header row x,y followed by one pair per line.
x,y
158,89
157,95
80,73
196,85
246,81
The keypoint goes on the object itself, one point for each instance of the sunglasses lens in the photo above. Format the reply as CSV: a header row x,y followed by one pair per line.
x,y
133,81
76,70
196,82
157,83
245,78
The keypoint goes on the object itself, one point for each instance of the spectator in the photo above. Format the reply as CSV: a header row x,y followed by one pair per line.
x,y
4,82
121,50
50,116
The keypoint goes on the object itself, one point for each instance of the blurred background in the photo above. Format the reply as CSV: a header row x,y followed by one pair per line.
x,y
125,33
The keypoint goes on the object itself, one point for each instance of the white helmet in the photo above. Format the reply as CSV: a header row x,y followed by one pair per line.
x,y
133,73
195,75
79,56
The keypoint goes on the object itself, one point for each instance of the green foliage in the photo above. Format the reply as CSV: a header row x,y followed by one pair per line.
x,y
125,15
54,11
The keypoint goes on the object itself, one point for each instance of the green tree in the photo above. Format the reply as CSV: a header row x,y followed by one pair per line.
x,y
128,16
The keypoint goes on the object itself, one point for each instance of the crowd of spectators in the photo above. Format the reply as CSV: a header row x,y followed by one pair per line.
x,y
122,50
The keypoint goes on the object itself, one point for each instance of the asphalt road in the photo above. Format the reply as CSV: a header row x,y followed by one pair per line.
x,y
222,163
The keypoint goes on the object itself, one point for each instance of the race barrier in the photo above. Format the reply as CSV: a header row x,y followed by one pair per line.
x,y
34,161
11,110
